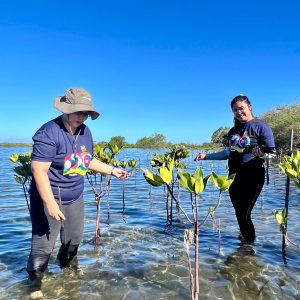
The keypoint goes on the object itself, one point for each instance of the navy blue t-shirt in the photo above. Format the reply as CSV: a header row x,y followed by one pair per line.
x,y
242,136
70,156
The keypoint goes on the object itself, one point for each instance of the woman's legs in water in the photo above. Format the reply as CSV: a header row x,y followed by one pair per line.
x,y
244,192
71,233
45,230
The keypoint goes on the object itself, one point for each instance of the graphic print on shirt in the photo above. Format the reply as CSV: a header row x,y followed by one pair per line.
x,y
77,163
240,143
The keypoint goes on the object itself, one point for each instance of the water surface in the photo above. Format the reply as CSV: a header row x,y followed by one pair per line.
x,y
139,257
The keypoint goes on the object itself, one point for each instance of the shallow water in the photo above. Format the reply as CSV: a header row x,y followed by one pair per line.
x,y
139,257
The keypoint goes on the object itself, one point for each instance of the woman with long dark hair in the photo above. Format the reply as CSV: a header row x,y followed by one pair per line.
x,y
248,141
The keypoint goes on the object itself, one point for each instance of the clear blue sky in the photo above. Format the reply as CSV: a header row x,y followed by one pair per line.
x,y
167,67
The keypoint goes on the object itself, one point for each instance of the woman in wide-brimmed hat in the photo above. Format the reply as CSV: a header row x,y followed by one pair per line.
x,y
62,154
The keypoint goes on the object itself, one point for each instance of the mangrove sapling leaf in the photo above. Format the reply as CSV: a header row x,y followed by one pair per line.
x,y
132,163
20,171
285,165
291,167
225,182
152,178
171,165
183,178
296,161
124,164
19,179
198,173
280,216
114,148
291,173
23,171
25,158
199,186
14,158
297,184
222,182
116,163
211,211
165,174
191,184
206,179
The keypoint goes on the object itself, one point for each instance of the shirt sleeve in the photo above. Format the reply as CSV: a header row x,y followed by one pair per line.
x,y
44,147
221,155
267,137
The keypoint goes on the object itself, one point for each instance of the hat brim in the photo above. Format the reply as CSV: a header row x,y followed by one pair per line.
x,y
72,108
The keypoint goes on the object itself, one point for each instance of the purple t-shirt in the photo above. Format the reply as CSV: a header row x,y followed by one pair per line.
x,y
242,136
70,156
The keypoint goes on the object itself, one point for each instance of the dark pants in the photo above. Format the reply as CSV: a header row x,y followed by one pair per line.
x,y
244,191
45,231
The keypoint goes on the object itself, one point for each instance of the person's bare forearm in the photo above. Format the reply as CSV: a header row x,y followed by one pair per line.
x,y
43,186
40,174
100,167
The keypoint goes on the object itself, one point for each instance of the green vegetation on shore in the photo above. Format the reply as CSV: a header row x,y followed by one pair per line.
x,y
281,119
15,144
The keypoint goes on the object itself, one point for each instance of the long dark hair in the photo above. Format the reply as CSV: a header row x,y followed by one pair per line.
x,y
236,99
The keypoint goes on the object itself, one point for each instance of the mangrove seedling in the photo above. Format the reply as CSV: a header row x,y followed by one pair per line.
x,y
23,172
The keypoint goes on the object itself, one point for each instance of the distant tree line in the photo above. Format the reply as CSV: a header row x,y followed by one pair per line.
x,y
282,120
155,141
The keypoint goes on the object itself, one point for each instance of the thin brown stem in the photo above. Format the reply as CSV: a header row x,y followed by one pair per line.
x,y
178,205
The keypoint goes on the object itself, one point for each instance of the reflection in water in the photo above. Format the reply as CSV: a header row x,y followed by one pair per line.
x,y
242,269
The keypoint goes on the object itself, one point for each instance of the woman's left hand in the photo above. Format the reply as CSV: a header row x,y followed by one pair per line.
x,y
120,173
256,151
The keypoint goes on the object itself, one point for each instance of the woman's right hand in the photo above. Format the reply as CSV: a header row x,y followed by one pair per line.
x,y
200,156
54,211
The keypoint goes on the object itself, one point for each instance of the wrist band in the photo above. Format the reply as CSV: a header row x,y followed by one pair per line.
x,y
111,171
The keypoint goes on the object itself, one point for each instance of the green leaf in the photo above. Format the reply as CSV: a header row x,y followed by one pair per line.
x,y
199,186
183,178
20,171
171,165
132,163
114,148
279,217
14,158
98,151
214,179
116,163
152,178
124,164
226,183
297,184
198,173
25,158
19,179
205,180
191,184
291,173
211,211
165,174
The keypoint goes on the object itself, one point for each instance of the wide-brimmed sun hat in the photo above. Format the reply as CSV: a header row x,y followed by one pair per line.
x,y
76,99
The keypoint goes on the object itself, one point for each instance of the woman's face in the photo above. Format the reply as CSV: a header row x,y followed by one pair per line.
x,y
77,118
242,111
